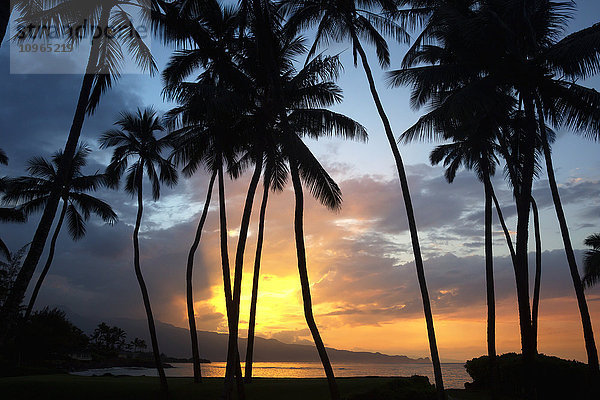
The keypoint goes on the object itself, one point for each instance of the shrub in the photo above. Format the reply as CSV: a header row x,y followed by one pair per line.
x,y
555,378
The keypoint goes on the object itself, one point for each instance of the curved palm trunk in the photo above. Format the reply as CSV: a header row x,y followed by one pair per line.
x,y
227,283
535,306
144,290
588,332
509,242
40,280
489,280
17,293
239,264
304,282
435,358
188,279
255,279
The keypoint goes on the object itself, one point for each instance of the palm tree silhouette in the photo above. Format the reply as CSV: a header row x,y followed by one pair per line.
x,y
206,136
204,117
475,150
591,261
102,70
352,20
136,141
31,193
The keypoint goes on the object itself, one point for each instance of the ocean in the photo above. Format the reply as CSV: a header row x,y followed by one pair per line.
x,y
454,374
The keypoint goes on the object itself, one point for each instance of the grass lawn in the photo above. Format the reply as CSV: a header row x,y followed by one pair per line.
x,y
67,387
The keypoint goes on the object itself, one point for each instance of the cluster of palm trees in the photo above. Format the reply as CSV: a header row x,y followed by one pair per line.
x,y
496,76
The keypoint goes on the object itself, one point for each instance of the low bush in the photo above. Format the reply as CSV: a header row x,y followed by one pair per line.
x,y
553,377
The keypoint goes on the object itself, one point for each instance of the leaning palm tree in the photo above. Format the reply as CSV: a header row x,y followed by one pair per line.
x,y
355,20
591,261
31,193
102,70
136,141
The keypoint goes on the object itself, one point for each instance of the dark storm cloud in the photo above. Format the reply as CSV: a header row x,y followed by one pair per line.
x,y
36,112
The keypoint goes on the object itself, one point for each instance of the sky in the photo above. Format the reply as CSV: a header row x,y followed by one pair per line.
x,y
360,262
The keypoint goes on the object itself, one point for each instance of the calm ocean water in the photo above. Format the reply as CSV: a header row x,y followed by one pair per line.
x,y
455,375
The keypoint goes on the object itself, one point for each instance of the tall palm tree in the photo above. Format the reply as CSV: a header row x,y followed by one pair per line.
x,y
31,193
136,141
352,20
476,151
591,261
102,70
206,115
206,137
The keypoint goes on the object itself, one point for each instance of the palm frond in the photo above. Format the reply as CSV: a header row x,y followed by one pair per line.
x,y
75,223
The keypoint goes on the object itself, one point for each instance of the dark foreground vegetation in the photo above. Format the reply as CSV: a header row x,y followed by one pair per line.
x,y
556,378
49,343
67,387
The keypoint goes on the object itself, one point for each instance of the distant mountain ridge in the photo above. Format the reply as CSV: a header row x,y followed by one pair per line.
x,y
175,342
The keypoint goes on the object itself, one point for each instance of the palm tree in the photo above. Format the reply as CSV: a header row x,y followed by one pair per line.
x,y
206,136
136,140
591,261
31,193
352,20
101,72
205,117
476,151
